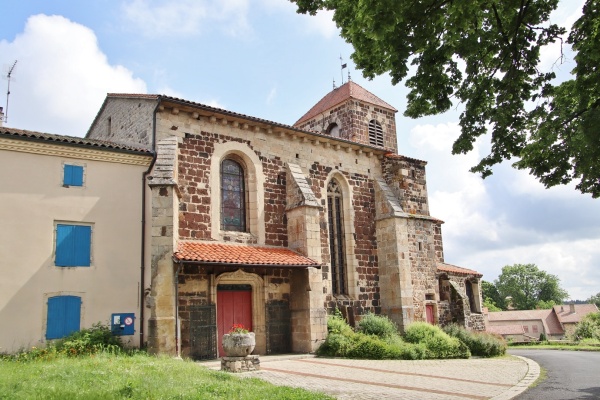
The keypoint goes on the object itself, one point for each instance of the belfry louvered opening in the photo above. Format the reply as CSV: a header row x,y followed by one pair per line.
x,y
375,133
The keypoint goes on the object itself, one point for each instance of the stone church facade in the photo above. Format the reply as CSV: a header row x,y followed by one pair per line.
x,y
275,226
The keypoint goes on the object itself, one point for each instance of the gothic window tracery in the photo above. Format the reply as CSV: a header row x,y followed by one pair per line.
x,y
335,219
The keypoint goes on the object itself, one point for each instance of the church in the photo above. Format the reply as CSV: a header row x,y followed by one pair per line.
x,y
273,226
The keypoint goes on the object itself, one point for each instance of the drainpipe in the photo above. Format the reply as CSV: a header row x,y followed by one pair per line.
x,y
143,247
177,344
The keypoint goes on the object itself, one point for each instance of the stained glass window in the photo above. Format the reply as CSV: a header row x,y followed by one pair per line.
x,y
335,220
233,204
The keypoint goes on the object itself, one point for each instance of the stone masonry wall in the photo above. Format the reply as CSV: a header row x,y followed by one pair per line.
x,y
406,177
353,119
125,121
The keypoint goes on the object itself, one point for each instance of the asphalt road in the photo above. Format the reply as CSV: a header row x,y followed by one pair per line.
x,y
571,374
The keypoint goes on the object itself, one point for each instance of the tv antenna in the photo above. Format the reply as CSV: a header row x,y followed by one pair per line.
x,y
8,78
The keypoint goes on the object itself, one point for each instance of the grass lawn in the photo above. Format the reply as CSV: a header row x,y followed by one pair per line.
x,y
139,376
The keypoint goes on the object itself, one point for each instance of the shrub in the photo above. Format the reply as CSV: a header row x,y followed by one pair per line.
x,y
337,324
369,347
93,340
378,325
588,327
335,345
438,343
480,344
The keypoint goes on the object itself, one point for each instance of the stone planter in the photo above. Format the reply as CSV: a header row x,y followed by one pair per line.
x,y
238,344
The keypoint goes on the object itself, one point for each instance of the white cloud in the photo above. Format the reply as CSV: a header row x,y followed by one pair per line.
x,y
62,76
322,24
272,94
159,18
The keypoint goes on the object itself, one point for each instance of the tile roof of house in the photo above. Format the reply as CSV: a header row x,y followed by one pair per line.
x,y
547,317
338,95
68,140
456,270
565,316
506,329
219,253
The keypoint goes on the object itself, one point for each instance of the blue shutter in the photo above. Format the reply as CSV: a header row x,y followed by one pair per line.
x,y
64,316
73,245
73,175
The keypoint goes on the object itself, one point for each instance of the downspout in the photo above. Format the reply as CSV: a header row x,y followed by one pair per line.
x,y
177,344
143,247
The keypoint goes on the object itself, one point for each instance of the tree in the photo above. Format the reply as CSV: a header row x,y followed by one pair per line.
x,y
529,287
588,327
491,296
485,54
594,300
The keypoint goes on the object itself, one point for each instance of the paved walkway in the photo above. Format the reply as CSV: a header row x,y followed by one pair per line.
x,y
478,378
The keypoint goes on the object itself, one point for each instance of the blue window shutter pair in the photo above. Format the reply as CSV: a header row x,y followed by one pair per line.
x,y
64,316
73,245
73,175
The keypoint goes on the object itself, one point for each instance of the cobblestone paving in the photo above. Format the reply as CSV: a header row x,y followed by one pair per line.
x,y
395,379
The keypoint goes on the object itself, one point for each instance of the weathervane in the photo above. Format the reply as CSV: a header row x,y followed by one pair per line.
x,y
8,76
344,65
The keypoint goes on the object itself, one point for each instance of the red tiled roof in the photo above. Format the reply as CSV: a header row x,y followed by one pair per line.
x,y
456,270
506,329
69,140
338,95
219,253
565,316
548,318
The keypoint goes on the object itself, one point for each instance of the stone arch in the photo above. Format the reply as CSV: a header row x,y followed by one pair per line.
x,y
241,277
348,210
254,186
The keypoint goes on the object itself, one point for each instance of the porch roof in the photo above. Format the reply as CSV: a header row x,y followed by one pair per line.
x,y
211,253
457,270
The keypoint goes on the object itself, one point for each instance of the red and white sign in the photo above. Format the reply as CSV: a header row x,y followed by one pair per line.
x,y
128,321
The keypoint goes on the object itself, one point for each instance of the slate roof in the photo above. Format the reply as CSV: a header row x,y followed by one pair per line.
x,y
565,316
220,253
548,317
349,90
457,270
69,140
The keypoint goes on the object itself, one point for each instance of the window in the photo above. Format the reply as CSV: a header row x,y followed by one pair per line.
x,y
64,316
525,329
335,218
333,130
375,133
534,328
72,175
233,196
73,245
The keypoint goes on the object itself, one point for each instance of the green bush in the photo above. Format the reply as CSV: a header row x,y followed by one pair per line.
x,y
337,324
480,344
369,347
93,340
588,328
378,325
97,339
438,343
335,345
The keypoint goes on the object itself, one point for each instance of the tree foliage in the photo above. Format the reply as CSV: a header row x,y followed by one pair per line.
x,y
491,297
529,287
595,299
485,54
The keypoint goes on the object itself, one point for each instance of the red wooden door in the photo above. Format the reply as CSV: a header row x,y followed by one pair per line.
x,y
234,306
429,312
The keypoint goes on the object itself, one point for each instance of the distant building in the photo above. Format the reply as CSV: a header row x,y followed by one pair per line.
x,y
528,325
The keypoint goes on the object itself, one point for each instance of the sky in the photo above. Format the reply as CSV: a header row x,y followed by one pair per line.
x,y
261,58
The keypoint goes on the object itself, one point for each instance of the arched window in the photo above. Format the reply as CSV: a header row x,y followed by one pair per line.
x,y
233,196
335,218
375,133
333,129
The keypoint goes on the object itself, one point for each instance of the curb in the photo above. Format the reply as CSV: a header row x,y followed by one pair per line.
x,y
532,374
